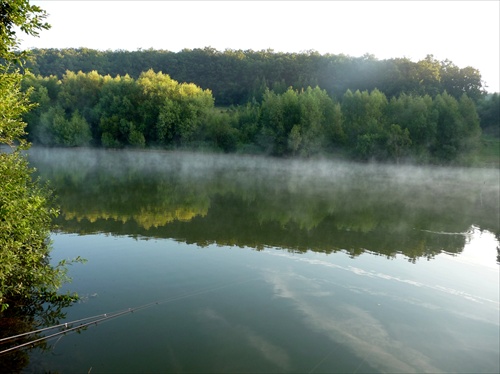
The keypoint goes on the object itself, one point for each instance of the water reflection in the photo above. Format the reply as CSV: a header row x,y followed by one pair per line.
x,y
324,206
235,310
21,324
293,306
396,323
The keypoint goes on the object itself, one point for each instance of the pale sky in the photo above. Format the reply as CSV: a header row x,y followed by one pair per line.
x,y
465,32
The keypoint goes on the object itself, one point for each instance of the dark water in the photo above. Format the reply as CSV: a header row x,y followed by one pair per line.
x,y
263,265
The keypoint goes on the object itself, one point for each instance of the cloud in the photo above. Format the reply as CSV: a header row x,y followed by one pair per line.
x,y
374,274
352,327
268,350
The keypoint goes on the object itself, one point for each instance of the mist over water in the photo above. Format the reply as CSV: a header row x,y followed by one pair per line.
x,y
275,265
198,164
307,193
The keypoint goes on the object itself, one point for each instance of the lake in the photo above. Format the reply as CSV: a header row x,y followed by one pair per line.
x,y
228,263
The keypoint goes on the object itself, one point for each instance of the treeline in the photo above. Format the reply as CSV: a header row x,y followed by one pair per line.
x,y
236,77
155,110
91,109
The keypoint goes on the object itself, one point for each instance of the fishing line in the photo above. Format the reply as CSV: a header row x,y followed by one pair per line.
x,y
33,342
362,362
68,326
322,360
57,341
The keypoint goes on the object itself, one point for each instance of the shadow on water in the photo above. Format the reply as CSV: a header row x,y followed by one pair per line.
x,y
318,205
28,315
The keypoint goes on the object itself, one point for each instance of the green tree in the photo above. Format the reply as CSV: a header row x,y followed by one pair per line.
x,y
18,15
54,128
449,127
221,131
471,131
415,114
429,76
75,133
489,113
51,127
118,112
334,126
80,92
294,139
457,81
398,142
25,212
172,112
41,92
365,121
154,88
312,120
280,113
248,123
169,118
272,121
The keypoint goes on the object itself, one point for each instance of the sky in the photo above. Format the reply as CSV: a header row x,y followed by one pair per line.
x,y
465,32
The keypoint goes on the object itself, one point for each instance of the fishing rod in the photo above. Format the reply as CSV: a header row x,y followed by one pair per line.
x,y
65,331
68,327
65,325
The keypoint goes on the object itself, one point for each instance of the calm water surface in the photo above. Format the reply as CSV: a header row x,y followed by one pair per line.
x,y
262,265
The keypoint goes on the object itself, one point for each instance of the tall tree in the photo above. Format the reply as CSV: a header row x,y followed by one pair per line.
x,y
489,114
448,127
365,120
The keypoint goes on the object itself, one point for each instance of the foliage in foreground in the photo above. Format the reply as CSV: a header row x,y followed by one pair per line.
x,y
26,275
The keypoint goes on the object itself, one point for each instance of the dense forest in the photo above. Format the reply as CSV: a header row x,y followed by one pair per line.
x,y
236,77
282,104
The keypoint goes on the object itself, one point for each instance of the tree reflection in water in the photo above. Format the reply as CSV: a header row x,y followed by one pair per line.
x,y
318,205
25,316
